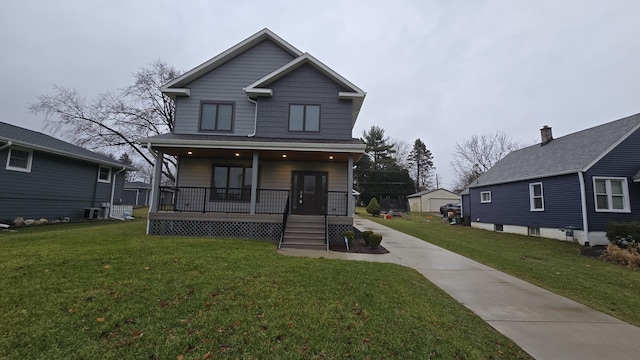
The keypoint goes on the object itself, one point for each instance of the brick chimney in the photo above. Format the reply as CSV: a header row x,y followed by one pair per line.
x,y
545,135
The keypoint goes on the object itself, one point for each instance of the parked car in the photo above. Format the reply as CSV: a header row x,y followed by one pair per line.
x,y
450,206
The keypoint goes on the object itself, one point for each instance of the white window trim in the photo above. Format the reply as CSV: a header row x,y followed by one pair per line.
x,y
29,161
532,197
625,194
108,181
482,200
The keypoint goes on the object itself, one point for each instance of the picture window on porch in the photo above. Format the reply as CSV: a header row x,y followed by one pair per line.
x,y
216,116
304,118
231,183
611,194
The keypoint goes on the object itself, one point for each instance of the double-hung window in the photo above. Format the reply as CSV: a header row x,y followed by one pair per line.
x,y
304,118
232,183
485,197
216,116
611,194
19,160
104,174
536,197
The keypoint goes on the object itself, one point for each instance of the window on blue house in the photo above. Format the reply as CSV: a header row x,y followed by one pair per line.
x,y
611,194
19,160
304,118
536,197
485,197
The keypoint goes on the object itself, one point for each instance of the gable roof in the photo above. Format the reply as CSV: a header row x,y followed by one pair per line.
x,y
38,141
173,87
564,155
424,192
355,94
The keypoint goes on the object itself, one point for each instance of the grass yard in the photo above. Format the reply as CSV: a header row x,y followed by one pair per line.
x,y
552,264
105,290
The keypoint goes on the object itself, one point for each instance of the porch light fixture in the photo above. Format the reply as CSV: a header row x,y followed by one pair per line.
x,y
331,157
237,154
189,152
284,155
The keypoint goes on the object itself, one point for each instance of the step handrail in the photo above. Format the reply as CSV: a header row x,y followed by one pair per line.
x,y
285,217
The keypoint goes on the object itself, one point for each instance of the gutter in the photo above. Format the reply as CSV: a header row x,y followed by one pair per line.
x,y
255,118
8,144
113,188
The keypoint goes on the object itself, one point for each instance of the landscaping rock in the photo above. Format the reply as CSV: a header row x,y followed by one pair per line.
x,y
29,222
18,221
42,221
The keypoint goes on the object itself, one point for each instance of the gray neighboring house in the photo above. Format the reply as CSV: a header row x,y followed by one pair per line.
x,y
575,183
263,137
44,177
136,193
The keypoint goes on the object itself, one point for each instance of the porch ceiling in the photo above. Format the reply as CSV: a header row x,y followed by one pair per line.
x,y
283,155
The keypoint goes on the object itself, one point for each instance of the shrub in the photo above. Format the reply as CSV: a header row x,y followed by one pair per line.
x,y
375,240
626,257
373,208
366,235
624,234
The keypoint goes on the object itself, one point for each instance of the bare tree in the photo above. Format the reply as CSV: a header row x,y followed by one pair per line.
x,y
477,154
402,150
114,121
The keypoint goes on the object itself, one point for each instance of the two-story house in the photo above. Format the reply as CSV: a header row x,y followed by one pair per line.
x,y
263,137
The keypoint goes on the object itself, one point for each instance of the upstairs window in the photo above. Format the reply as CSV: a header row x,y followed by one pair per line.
x,y
19,160
611,194
304,118
536,197
216,116
104,174
232,183
485,197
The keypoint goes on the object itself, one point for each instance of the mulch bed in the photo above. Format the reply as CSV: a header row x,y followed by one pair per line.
x,y
358,246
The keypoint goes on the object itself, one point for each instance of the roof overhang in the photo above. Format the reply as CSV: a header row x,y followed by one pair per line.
x,y
175,92
568,172
67,154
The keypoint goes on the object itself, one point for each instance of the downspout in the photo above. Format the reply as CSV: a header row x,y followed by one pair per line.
x,y
113,189
8,144
583,200
255,117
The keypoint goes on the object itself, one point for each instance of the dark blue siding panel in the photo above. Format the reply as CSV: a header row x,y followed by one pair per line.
x,y
623,161
305,85
510,204
55,187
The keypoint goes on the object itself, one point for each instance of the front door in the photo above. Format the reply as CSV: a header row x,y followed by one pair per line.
x,y
308,193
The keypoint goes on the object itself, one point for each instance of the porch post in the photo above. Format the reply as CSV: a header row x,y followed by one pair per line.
x,y
254,183
350,203
155,186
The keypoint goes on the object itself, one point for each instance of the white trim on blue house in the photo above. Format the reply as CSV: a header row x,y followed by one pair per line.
x,y
484,200
626,207
532,197
26,169
611,147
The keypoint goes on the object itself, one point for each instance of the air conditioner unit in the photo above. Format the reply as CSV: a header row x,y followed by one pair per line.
x,y
91,213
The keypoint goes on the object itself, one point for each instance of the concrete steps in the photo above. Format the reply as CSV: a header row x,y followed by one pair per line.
x,y
305,232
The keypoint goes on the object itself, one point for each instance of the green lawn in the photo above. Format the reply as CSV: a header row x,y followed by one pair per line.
x,y
551,264
105,290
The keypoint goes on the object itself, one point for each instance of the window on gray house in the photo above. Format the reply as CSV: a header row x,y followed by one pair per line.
x,y
304,118
232,183
19,160
216,116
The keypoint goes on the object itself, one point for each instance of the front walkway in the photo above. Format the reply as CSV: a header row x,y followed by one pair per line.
x,y
545,325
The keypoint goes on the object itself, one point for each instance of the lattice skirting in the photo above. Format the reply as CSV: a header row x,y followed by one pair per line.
x,y
335,233
250,230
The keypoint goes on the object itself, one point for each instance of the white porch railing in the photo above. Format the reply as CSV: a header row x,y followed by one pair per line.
x,y
120,212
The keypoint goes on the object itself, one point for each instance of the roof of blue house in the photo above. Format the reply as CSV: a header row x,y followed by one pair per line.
x,y
564,155
45,143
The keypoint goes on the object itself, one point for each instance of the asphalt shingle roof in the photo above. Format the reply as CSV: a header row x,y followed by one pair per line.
x,y
566,154
39,141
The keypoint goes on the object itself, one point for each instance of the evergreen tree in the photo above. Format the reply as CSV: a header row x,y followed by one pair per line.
x,y
421,162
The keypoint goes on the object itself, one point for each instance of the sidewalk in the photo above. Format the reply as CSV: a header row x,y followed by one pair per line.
x,y
545,325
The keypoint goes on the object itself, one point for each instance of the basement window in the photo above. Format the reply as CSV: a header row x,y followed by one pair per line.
x,y
498,227
534,231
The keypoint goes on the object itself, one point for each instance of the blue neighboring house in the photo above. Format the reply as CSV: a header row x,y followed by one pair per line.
x,y
578,182
263,137
44,177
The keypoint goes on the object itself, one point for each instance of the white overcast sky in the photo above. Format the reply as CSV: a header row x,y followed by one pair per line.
x,y
439,70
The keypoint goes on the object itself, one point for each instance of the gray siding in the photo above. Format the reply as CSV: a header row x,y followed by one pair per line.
x,y
55,187
225,84
305,85
620,162
510,204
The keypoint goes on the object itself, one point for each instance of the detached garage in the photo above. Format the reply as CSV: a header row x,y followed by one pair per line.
x,y
431,200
